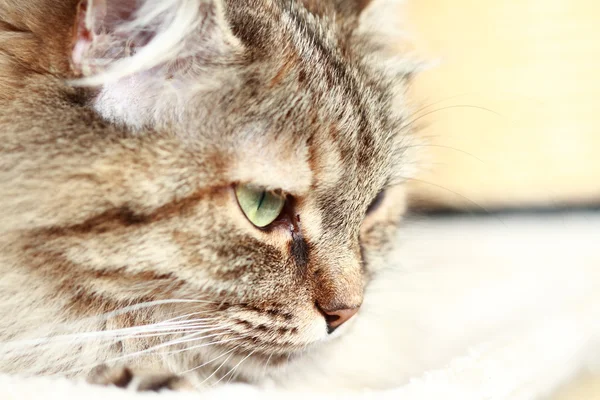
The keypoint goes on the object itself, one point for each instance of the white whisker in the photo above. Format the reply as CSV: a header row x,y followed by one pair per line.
x,y
216,370
139,306
117,334
211,361
210,344
173,342
232,371
266,364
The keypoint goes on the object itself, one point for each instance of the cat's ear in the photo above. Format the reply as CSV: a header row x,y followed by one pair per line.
x,y
118,38
343,8
382,40
355,6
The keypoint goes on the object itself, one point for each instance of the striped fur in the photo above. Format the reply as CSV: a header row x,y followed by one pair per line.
x,y
121,241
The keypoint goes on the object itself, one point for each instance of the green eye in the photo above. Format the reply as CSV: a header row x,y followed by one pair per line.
x,y
261,207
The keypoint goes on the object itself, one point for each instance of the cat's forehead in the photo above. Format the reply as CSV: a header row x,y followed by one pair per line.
x,y
298,137
308,78
302,112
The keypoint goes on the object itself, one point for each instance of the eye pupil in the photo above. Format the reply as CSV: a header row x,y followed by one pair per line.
x,y
260,206
262,198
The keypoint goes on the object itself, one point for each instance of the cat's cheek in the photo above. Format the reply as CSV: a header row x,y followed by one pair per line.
x,y
379,230
310,218
391,209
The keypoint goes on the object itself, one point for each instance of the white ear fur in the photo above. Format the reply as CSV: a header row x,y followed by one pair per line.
x,y
150,57
120,38
382,16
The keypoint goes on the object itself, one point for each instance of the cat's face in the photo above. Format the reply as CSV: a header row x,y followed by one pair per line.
x,y
296,119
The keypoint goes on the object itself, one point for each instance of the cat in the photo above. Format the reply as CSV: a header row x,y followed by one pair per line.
x,y
200,188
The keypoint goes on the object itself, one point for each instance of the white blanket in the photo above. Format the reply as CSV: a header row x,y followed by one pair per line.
x,y
494,308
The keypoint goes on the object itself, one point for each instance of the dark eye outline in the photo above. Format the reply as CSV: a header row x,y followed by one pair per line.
x,y
376,203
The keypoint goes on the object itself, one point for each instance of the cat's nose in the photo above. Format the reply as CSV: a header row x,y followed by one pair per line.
x,y
335,318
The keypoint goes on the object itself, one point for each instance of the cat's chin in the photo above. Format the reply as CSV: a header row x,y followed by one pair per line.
x,y
256,361
259,367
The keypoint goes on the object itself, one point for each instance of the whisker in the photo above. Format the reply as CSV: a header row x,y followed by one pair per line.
x,y
460,195
111,333
444,147
150,350
194,333
210,361
140,306
232,371
435,103
210,344
189,315
108,334
216,370
174,342
266,364
419,117
187,339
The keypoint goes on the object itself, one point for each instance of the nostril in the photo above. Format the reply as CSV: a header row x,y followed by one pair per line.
x,y
336,318
331,321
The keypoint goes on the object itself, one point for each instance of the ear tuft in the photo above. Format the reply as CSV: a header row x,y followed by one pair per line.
x,y
343,8
119,38
360,5
385,46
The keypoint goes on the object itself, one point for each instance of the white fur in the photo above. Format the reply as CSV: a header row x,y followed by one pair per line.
x,y
173,21
156,82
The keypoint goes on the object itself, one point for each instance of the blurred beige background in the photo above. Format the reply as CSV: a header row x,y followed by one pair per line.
x,y
511,110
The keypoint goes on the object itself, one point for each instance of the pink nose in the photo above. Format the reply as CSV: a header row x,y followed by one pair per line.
x,y
335,318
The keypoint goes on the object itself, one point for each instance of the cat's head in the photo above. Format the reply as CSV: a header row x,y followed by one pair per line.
x,y
268,188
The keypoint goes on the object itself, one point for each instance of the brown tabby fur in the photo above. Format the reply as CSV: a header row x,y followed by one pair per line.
x,y
96,216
